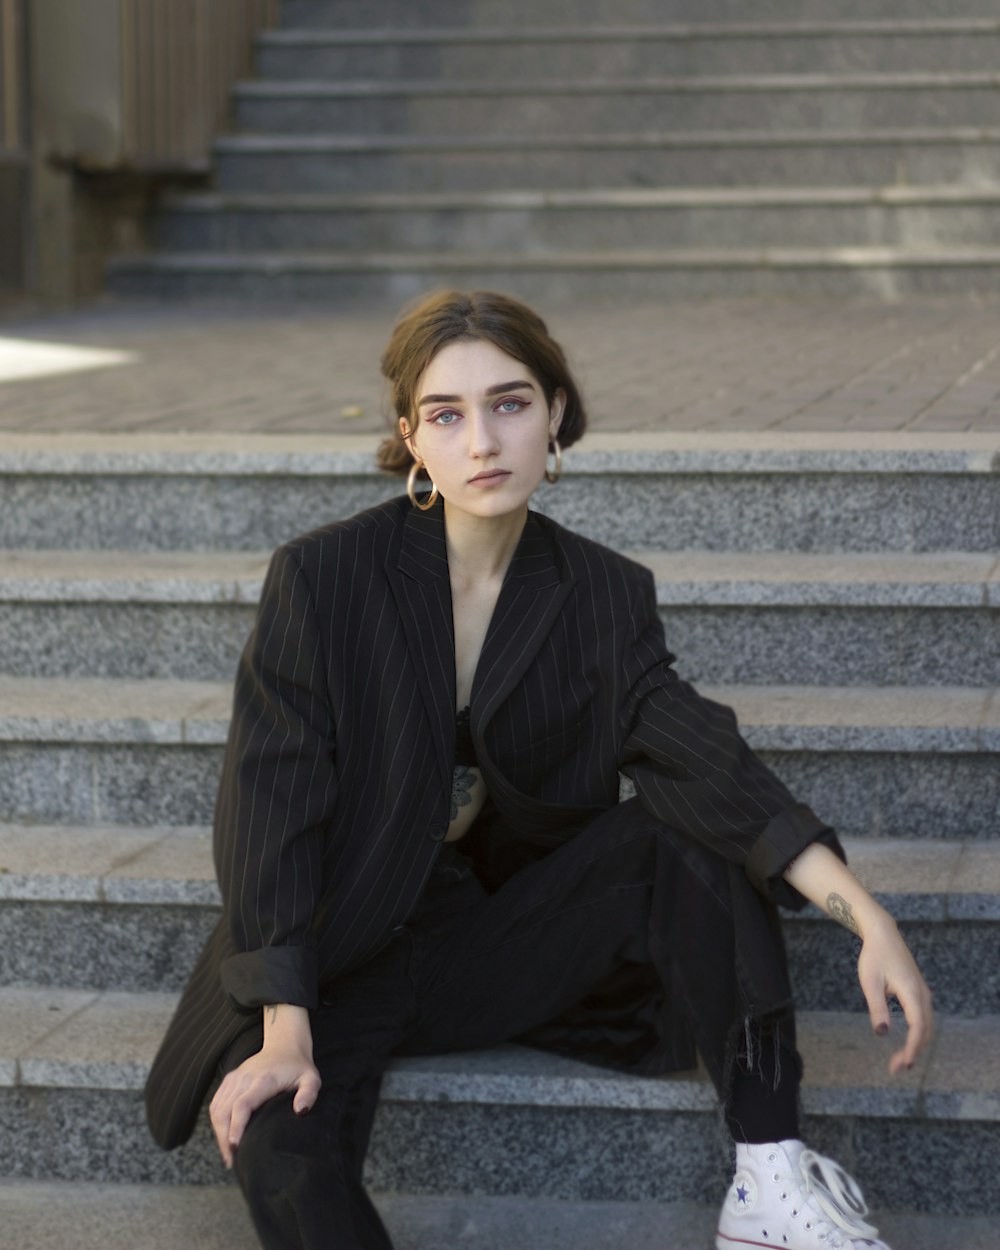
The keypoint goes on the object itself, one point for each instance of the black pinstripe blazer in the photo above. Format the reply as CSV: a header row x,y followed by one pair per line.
x,y
334,796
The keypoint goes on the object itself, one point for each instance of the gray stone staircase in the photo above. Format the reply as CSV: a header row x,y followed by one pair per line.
x,y
673,150
841,590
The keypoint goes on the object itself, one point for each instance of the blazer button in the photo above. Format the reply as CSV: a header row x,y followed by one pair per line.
x,y
436,833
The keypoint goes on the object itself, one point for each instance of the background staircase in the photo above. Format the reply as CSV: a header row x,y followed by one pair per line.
x,y
843,597
677,149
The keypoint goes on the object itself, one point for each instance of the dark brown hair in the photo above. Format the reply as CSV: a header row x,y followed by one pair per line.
x,y
455,316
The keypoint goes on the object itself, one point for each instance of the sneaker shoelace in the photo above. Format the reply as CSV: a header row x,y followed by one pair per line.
x,y
836,1194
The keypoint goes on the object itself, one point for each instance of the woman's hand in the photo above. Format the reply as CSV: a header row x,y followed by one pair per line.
x,y
886,966
282,1064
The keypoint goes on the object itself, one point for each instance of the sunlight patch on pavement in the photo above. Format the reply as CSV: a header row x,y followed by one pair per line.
x,y
23,358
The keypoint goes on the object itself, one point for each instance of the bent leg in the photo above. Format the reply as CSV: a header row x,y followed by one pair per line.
x,y
301,1176
626,890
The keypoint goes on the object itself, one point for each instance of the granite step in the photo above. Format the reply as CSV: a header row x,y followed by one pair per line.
x,y
715,490
611,50
328,14
657,158
51,1215
128,908
458,105
667,273
782,217
895,619
874,761
515,1121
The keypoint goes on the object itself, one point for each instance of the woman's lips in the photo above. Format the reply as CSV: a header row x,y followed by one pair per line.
x,y
489,476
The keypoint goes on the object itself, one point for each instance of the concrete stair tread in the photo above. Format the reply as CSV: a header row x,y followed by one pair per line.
x,y
313,142
591,197
296,37
87,1215
782,452
950,578
108,864
79,1039
916,878
339,89
126,576
940,718
357,261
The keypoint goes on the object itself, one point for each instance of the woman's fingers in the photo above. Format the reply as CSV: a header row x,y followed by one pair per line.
x,y
220,1113
873,987
894,972
248,1087
307,1092
915,999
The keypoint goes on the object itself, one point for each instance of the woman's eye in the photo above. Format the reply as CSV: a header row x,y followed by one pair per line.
x,y
511,405
446,418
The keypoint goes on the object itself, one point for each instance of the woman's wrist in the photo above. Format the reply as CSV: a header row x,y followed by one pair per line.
x,y
287,1025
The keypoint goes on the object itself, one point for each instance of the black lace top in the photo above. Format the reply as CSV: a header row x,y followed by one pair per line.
x,y
465,752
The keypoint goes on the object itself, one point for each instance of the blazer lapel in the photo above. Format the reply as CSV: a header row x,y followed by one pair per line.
x,y
422,589
534,589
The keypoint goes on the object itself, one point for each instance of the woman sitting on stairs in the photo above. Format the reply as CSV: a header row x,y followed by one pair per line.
x,y
420,843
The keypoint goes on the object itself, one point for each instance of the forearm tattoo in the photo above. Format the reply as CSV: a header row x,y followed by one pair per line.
x,y
840,910
462,783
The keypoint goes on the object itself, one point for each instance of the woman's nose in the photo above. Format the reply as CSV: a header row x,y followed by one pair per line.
x,y
482,436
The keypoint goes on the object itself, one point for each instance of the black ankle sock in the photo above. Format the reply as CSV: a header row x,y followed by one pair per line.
x,y
764,1105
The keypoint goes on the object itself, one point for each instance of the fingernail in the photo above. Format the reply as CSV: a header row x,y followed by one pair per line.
x,y
882,1029
302,1111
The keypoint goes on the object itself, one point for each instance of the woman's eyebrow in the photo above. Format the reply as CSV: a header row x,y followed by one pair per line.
x,y
490,390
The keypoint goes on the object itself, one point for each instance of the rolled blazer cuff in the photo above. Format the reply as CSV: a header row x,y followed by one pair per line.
x,y
785,836
273,974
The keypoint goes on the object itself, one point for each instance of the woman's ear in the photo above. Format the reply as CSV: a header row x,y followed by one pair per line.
x,y
407,437
556,410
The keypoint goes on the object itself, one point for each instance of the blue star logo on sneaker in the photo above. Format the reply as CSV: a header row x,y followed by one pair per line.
x,y
743,1194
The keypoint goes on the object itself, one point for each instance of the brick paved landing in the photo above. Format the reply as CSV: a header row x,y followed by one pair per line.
x,y
928,364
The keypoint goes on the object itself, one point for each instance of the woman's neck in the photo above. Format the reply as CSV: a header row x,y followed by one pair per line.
x,y
481,548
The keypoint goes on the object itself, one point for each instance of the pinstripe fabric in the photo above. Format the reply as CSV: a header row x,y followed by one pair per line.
x,y
334,794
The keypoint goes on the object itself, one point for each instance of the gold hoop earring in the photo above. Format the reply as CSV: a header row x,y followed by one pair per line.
x,y
411,488
553,474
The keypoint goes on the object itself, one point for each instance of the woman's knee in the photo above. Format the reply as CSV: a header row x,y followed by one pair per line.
x,y
275,1133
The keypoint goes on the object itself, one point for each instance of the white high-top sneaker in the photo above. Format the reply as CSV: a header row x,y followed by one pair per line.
x,y
786,1196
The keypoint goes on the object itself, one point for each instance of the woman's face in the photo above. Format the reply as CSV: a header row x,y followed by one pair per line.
x,y
484,428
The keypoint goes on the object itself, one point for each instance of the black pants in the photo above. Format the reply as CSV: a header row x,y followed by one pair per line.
x,y
472,969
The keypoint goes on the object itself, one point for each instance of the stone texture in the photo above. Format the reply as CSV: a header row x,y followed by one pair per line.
x,y
962,1078
102,945
176,869
974,885
125,577
91,640
794,579
106,1045
28,1017
835,645
42,1215
869,794
94,711
68,863
936,1167
946,719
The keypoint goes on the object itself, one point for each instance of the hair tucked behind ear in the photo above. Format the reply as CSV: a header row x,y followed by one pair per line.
x,y
454,316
